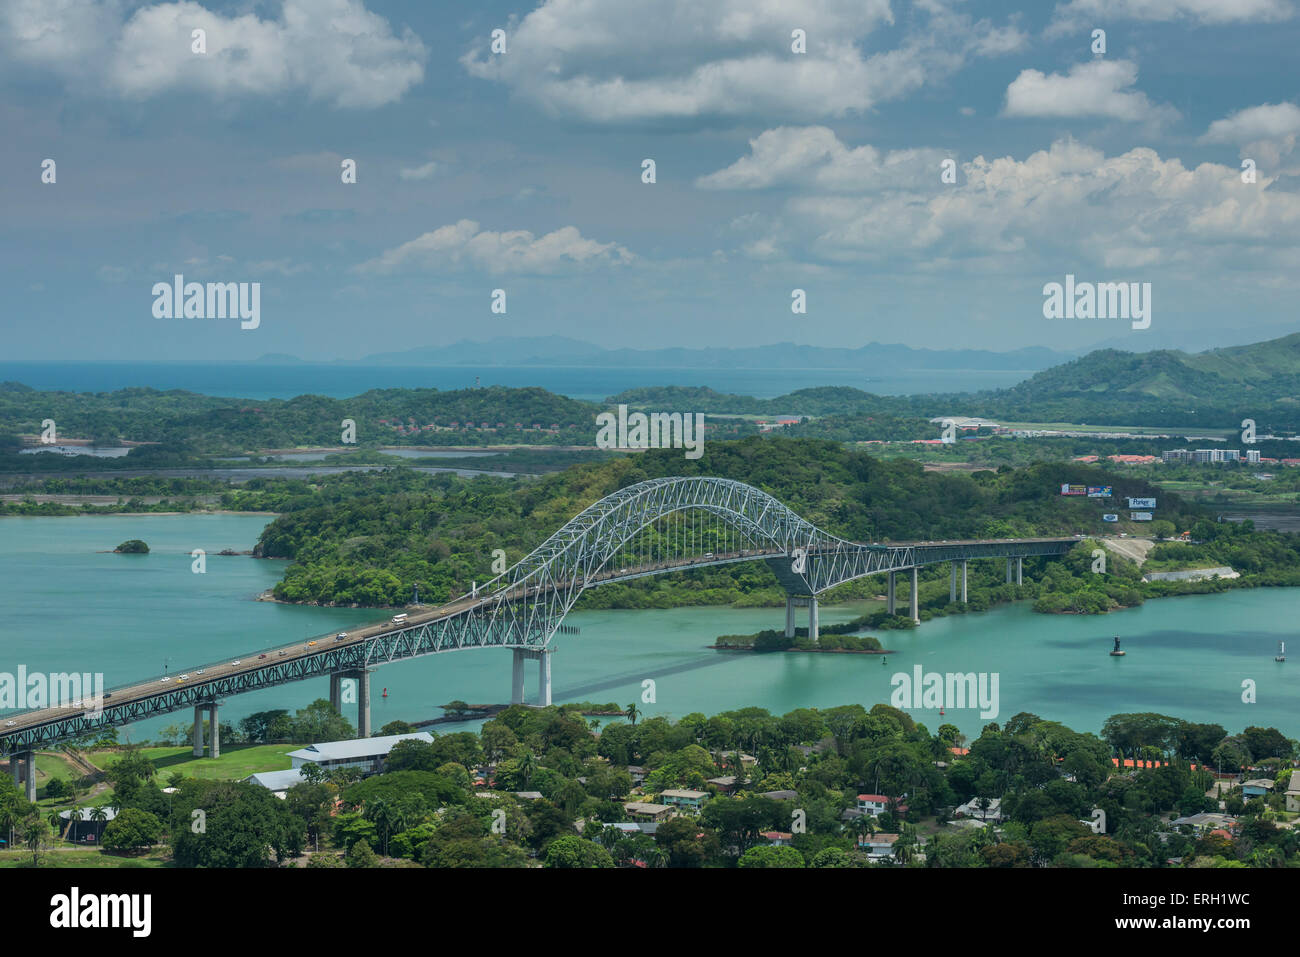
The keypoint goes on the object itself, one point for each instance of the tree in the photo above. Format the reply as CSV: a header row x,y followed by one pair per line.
x,y
34,833
571,851
633,712
362,856
770,855
131,830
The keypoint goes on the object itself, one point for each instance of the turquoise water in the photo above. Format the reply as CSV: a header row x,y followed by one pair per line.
x,y
70,607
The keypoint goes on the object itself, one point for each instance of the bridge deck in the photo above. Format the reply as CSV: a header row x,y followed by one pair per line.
x,y
196,678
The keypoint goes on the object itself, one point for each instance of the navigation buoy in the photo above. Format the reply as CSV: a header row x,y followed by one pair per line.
x,y
385,693
1116,653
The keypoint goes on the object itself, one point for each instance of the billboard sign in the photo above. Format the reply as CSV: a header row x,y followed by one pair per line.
x,y
1074,490
1099,491
1110,517
1140,516
1141,503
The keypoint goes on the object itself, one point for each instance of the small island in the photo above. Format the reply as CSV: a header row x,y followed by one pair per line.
x,y
132,546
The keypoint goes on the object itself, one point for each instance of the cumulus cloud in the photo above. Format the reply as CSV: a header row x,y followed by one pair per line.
x,y
1267,132
1068,202
1096,88
465,245
634,60
814,156
334,51
1070,15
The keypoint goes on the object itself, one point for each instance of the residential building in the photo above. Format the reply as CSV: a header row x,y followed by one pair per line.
x,y
686,800
972,809
640,811
777,838
725,784
1257,787
1293,792
877,845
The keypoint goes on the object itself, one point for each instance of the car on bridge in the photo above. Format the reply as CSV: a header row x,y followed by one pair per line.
x,y
260,657
311,644
236,662
341,636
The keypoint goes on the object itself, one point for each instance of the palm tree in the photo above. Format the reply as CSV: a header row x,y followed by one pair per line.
x,y
55,821
633,712
34,832
527,767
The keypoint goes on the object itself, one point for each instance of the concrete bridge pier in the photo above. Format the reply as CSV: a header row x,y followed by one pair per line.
x,y
789,616
544,678
952,583
915,603
1020,571
214,731
812,618
197,734
517,678
1008,571
336,692
22,765
964,563
890,594
363,702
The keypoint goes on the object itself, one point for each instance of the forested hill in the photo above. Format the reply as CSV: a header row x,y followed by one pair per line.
x,y
1214,389
372,547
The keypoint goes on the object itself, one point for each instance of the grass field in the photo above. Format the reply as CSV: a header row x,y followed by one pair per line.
x,y
66,856
236,760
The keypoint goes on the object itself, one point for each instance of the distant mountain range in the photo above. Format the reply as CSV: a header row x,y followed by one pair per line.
x,y
559,351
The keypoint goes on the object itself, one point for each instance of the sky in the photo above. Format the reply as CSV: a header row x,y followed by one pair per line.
x,y
797,145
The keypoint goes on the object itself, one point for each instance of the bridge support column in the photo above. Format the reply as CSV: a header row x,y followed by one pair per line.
x,y
812,618
789,616
544,678
22,765
336,692
963,581
915,602
214,732
1008,571
363,703
952,584
890,594
1020,571
198,731
517,678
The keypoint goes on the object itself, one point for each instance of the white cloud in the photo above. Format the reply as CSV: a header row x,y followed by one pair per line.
x,y
334,51
419,172
1068,203
1095,88
1070,15
1265,133
634,60
814,156
466,245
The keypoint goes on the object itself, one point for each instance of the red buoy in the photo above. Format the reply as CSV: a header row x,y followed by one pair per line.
x,y
385,693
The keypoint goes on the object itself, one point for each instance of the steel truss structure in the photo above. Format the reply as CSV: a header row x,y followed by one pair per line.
x,y
523,607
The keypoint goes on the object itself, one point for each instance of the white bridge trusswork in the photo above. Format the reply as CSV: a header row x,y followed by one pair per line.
x,y
650,528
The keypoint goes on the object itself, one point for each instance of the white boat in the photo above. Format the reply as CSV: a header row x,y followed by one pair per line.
x,y
1281,651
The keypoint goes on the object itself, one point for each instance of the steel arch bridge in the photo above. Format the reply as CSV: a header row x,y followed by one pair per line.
x,y
650,528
